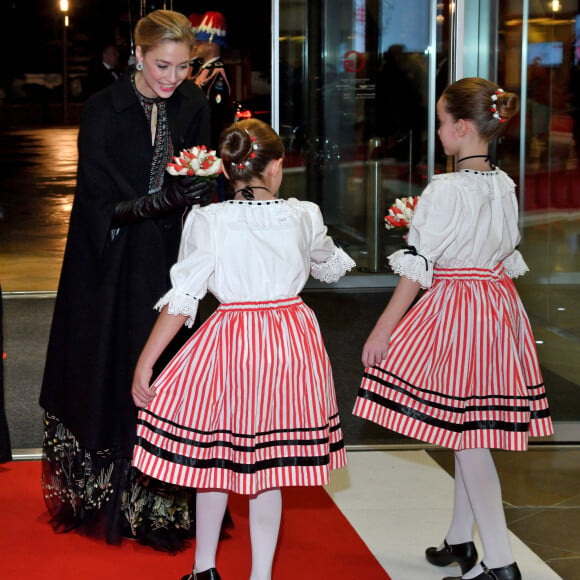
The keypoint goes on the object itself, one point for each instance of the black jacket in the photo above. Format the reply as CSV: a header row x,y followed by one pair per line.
x,y
108,287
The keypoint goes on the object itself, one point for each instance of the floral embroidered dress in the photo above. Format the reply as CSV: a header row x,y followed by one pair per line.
x,y
248,403
462,369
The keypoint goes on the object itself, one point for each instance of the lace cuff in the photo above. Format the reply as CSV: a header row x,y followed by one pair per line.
x,y
413,266
180,303
515,265
334,268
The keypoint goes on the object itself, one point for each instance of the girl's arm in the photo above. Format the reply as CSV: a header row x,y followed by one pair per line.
x,y
377,345
328,262
165,328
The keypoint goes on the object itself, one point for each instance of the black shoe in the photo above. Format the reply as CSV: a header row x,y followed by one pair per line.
x,y
211,574
463,554
511,572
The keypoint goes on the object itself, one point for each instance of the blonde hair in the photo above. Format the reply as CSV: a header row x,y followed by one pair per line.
x,y
247,147
482,102
161,26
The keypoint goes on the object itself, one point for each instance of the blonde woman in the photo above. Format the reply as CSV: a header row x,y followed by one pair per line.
x,y
124,234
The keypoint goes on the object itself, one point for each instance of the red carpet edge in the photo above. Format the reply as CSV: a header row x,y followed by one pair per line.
x,y
316,542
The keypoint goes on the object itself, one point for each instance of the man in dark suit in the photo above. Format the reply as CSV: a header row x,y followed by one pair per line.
x,y
104,72
209,73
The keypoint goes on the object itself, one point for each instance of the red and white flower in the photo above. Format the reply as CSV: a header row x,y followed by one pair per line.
x,y
401,212
197,161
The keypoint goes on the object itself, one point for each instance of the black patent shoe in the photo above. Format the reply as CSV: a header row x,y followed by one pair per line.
x,y
211,574
463,554
511,572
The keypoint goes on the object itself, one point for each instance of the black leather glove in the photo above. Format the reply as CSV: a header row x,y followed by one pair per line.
x,y
179,192
191,190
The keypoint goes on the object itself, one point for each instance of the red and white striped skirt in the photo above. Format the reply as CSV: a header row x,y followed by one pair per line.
x,y
462,369
248,404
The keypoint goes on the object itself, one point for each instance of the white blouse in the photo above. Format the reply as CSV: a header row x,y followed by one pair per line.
x,y
251,251
467,219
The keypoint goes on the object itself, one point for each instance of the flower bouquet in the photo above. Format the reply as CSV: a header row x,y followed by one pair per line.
x,y
197,161
401,213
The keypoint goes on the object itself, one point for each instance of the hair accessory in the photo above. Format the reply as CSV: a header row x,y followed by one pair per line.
x,y
493,107
252,153
139,65
254,145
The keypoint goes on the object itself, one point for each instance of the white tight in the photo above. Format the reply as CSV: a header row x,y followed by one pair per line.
x,y
265,515
210,508
477,499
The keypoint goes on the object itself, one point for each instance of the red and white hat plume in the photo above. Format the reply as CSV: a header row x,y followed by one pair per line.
x,y
194,21
212,28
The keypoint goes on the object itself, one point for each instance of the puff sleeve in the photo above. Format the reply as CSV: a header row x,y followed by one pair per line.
x,y
328,263
194,267
432,231
515,265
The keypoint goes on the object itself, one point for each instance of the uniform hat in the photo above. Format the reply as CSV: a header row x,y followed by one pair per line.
x,y
212,28
194,21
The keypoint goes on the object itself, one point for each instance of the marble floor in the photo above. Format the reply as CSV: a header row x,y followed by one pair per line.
x,y
399,501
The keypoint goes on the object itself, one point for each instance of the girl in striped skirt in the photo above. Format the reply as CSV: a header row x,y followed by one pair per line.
x,y
460,369
248,404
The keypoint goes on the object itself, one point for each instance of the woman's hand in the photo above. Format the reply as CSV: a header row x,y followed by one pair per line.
x,y
376,347
141,391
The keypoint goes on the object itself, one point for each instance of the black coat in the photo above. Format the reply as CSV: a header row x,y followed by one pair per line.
x,y
108,287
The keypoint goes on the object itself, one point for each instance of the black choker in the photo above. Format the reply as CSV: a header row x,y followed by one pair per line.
x,y
248,191
474,157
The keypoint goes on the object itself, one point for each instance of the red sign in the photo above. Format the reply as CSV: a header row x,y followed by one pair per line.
x,y
353,61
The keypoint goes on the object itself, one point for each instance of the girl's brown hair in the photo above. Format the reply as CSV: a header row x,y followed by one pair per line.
x,y
247,147
160,26
475,99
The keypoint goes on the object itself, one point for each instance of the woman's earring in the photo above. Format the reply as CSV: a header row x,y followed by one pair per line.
x,y
139,65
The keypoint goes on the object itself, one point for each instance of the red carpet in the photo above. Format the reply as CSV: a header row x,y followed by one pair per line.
x,y
316,542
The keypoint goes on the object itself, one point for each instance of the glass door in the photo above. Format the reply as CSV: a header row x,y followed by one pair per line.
x,y
541,61
358,82
354,84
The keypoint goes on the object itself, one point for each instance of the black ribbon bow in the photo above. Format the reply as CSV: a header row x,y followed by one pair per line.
x,y
413,251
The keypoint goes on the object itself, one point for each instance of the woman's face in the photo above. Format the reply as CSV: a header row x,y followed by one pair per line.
x,y
165,67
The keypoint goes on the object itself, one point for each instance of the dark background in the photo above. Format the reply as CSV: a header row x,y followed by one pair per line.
x,y
31,33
